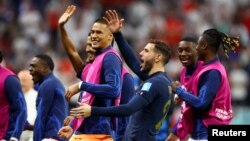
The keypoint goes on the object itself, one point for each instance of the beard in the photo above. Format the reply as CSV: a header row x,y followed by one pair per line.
x,y
147,67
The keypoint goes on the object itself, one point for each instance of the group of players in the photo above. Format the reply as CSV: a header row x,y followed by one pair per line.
x,y
109,107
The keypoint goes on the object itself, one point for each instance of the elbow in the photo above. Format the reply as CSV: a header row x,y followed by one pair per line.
x,y
115,92
130,111
201,106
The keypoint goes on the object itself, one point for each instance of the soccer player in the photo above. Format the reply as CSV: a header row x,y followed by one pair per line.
x,y
51,103
151,103
210,95
188,57
12,105
102,85
128,83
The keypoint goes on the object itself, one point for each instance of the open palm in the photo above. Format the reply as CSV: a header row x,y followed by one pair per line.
x,y
67,14
114,23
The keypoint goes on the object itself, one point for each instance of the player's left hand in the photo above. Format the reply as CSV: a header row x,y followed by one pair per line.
x,y
83,111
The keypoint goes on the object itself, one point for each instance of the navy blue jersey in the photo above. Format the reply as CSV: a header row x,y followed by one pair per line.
x,y
148,107
127,93
18,109
51,108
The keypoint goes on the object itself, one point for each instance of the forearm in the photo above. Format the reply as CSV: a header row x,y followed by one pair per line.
x,y
18,118
207,90
101,90
129,55
53,124
136,103
110,79
70,50
198,102
17,104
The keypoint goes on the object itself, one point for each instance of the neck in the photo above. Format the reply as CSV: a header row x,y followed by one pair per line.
x,y
209,58
156,69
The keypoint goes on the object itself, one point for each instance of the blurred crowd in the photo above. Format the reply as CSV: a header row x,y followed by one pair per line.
x,y
29,27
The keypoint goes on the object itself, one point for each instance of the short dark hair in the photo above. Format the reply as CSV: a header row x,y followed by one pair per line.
x,y
163,48
101,20
214,38
47,60
190,39
1,56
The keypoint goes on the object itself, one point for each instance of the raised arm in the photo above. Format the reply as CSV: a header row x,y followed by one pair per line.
x,y
74,56
130,57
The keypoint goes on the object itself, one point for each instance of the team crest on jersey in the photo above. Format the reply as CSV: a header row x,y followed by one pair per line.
x,y
146,86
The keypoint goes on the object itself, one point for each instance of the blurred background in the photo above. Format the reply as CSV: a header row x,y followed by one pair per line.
x,y
29,27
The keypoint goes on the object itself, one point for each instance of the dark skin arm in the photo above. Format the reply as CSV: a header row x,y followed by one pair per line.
x,y
74,56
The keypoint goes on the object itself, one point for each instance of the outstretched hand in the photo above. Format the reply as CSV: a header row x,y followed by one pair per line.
x,y
67,14
114,23
83,111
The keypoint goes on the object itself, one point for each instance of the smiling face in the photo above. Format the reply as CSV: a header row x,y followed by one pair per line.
x,y
37,69
101,36
187,53
147,56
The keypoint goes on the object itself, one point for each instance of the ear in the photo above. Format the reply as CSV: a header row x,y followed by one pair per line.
x,y
205,46
158,57
46,69
110,37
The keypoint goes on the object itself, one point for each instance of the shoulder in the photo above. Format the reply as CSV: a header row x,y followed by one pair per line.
x,y
159,82
112,55
212,72
211,75
12,79
112,60
12,82
160,78
51,81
